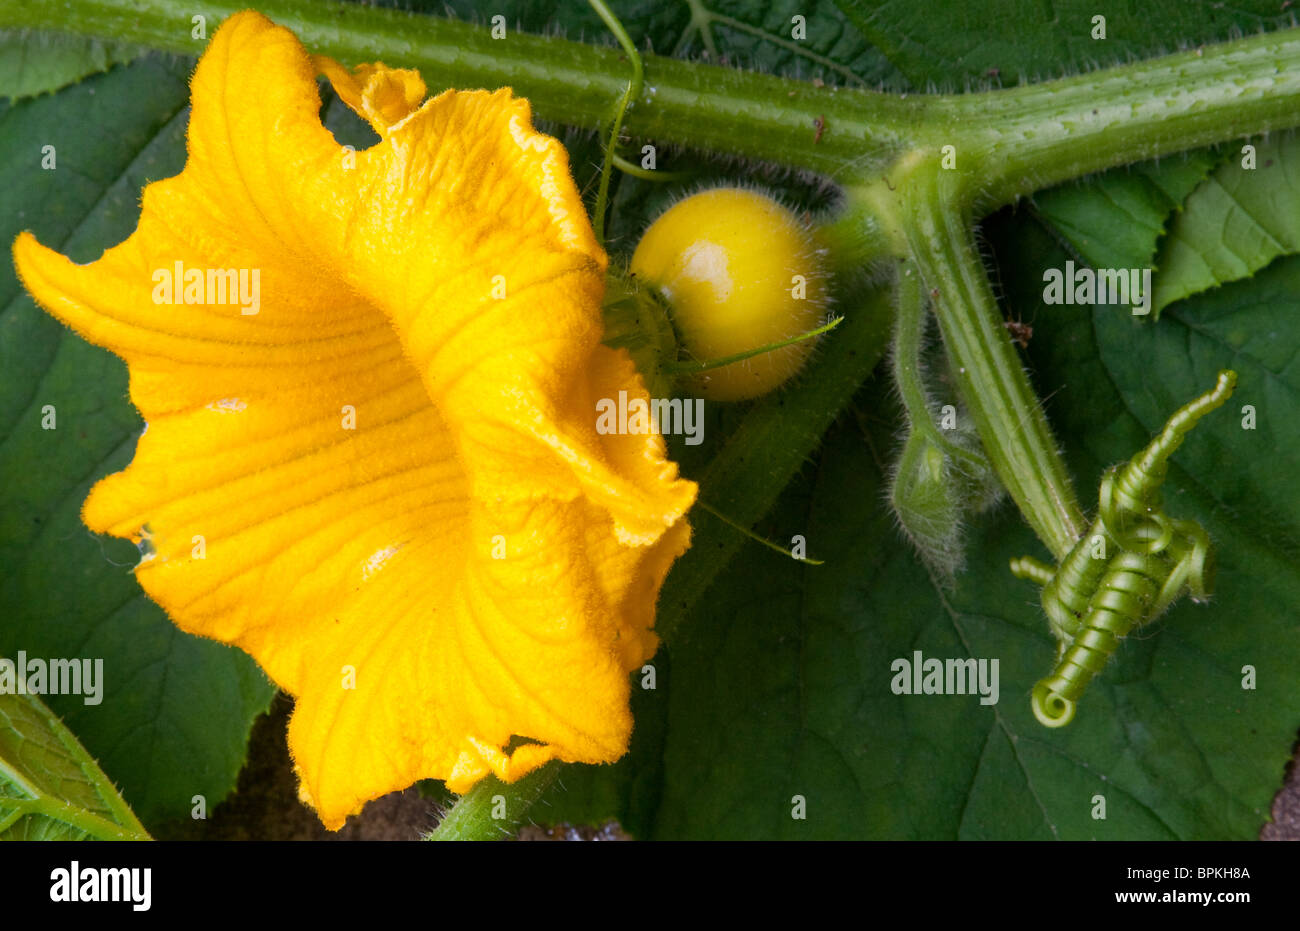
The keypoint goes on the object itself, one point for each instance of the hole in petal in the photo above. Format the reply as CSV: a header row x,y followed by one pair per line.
x,y
342,121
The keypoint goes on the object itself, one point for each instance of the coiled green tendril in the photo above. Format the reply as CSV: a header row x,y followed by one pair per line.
x,y
1134,562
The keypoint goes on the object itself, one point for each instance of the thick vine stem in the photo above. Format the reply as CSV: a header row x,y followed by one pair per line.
x,y
575,83
1013,141
989,376
1028,138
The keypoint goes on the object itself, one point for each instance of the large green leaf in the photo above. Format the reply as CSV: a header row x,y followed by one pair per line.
x,y
33,62
1235,223
50,788
1116,220
783,689
176,710
811,40
823,45
780,679
1196,228
939,43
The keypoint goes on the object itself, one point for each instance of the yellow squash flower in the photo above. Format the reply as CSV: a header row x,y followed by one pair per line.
x,y
370,383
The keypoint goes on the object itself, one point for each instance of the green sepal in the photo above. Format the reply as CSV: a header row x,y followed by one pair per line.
x,y
925,500
637,320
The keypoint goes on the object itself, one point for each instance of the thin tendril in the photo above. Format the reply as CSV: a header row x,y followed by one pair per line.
x,y
1094,600
645,174
827,63
753,536
909,326
1027,567
694,367
633,91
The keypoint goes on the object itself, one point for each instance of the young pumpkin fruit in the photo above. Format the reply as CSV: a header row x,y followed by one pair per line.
x,y
738,272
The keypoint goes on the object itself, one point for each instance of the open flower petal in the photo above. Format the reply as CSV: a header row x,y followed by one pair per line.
x,y
371,458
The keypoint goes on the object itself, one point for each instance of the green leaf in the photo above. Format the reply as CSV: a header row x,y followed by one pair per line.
x,y
1221,226
729,32
936,42
809,39
36,62
50,788
784,690
780,686
1233,224
1116,220
1235,481
176,710
784,687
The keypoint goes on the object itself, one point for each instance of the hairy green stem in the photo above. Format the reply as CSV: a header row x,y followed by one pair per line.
x,y
1007,142
709,107
633,91
1028,138
989,376
96,827
35,716
909,330
494,810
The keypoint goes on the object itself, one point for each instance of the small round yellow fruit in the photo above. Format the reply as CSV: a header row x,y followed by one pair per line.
x,y
739,271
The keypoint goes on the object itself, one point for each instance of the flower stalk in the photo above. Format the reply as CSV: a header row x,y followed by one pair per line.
x,y
494,810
